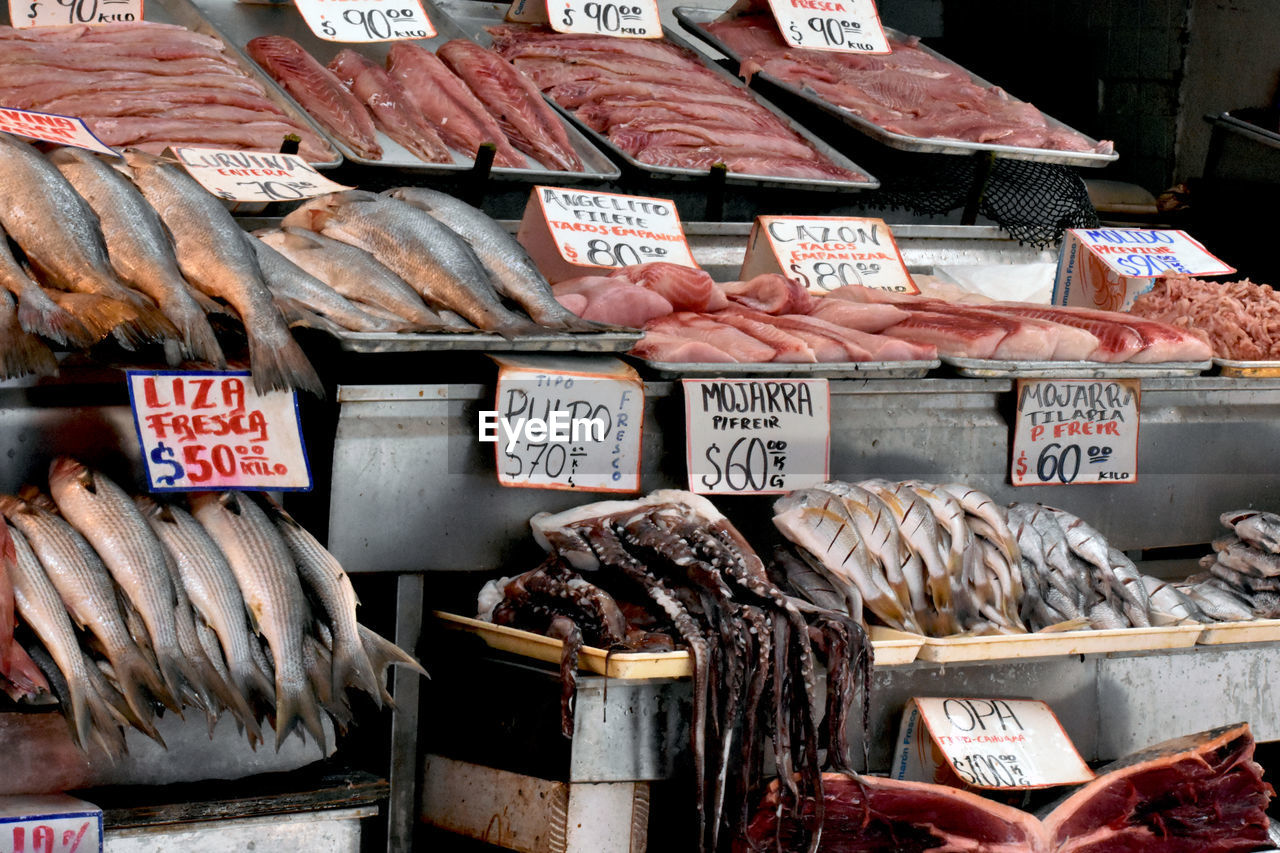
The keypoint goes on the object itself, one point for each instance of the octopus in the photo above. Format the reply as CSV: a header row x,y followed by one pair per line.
x,y
686,573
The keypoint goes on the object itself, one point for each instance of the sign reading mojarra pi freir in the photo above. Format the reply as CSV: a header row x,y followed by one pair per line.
x,y
824,253
1076,431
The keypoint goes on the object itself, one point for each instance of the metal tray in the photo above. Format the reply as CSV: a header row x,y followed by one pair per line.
x,y
383,342
185,13
244,21
473,17
991,368
772,370
1247,369
691,18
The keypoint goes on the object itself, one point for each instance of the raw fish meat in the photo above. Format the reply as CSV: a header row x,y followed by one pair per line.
x,y
392,109
661,347
786,346
686,288
318,90
771,293
864,318
1238,316
614,302
697,327
953,335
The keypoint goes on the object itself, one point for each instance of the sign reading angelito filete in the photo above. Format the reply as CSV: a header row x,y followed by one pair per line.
x,y
1076,431
756,436
825,252
203,430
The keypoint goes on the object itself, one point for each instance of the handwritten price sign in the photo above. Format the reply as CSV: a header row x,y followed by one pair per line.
x,y
47,127
852,26
54,13
824,253
1076,431
362,21
252,176
629,19
49,823
756,436
202,430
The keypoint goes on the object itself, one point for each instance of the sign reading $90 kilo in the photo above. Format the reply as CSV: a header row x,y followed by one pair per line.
x,y
1076,431
202,430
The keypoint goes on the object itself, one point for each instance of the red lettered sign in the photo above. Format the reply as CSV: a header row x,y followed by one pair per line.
x,y
203,430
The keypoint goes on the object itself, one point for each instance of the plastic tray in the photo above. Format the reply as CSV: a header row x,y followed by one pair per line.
x,y
1012,646
990,368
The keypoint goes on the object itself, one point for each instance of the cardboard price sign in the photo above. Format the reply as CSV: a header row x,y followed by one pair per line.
x,y
573,232
852,26
1108,268
55,13
558,426
203,430
362,21
1076,431
627,18
52,823
824,253
48,127
249,176
986,743
756,436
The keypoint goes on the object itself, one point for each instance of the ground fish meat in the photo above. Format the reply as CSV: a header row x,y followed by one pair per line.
x,y
1242,319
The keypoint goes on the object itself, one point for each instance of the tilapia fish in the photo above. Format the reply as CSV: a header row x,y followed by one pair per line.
x,y
139,249
265,572
289,282
393,110
513,272
59,234
319,91
354,274
218,258
1259,529
430,257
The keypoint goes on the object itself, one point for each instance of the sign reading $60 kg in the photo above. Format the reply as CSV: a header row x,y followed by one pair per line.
x,y
1076,431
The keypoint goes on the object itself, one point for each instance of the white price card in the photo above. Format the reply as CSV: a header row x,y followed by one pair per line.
x,y
986,743
756,436
360,21
203,430
62,13
254,176
1143,253
825,252
49,823
852,26
48,127
1076,431
625,18
566,424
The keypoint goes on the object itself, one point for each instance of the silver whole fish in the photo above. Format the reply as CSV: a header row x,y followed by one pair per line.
x,y
59,234
1136,604
1260,529
217,257
978,504
268,579
1214,601
919,531
514,273
434,260
139,248
879,531
38,314
1167,599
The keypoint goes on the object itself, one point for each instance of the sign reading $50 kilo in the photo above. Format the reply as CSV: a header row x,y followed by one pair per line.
x,y
1076,431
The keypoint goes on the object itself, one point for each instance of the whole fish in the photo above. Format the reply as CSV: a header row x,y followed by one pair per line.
x,y
37,313
21,353
329,585
434,260
353,273
1260,529
1166,598
59,234
1008,578
1136,603
1215,602
919,530
107,518
1063,574
265,572
86,589
382,654
287,280
1104,615
813,582
978,504
217,257
879,532
514,273
139,248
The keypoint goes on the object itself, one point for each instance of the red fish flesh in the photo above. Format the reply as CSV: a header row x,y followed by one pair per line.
x,y
686,288
787,347
463,122
771,293
319,92
1116,342
953,335
517,105
392,109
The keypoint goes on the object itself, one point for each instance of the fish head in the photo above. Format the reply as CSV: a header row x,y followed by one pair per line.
x,y
66,472
313,215
153,509
140,161
11,505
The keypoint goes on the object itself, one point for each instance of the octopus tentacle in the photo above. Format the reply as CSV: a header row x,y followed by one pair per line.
x,y
566,630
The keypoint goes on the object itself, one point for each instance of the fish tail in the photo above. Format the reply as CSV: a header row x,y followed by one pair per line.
x,y
382,654
175,673
353,668
100,315
135,673
151,323
50,320
282,368
23,673
516,327
22,353
198,339
232,699
296,705
207,303
251,681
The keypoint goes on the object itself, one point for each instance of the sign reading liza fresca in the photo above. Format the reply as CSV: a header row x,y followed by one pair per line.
x,y
202,430
48,127
566,424
254,176
1076,431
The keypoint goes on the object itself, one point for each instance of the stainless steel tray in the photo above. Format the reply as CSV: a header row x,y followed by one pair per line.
x,y
245,21
384,342
186,14
773,370
1255,369
473,17
990,368
691,18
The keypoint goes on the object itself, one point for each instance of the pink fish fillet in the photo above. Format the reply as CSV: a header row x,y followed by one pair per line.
x,y
613,302
392,109
318,90
514,102
771,293
962,337
463,122
1026,339
1160,341
686,288
575,302
1116,342
789,347
660,347
698,327
864,318
1073,344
